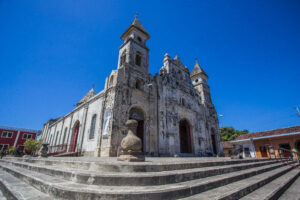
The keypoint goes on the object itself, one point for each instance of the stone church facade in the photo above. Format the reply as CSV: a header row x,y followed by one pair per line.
x,y
174,110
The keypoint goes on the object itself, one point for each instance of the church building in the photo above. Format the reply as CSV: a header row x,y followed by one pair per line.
x,y
174,109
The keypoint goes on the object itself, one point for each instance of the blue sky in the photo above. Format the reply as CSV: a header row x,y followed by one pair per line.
x,y
52,52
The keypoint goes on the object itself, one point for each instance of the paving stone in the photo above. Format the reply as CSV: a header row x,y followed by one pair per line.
x,y
240,188
66,189
152,164
210,177
148,178
293,192
275,188
15,189
2,196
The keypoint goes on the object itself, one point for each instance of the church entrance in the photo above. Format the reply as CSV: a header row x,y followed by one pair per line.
x,y
74,137
140,131
297,145
185,137
138,115
213,141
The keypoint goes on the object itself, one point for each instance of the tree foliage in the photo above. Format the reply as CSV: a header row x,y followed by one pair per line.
x,y
229,133
32,145
11,150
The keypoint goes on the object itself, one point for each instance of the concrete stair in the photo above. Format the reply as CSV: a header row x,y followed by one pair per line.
x,y
189,179
293,192
13,188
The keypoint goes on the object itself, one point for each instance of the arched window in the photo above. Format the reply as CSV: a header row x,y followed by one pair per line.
x,y
123,58
92,129
138,58
57,135
65,133
50,140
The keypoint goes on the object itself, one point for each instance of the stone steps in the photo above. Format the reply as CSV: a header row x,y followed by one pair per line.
x,y
14,189
275,188
65,189
139,179
293,192
113,166
239,189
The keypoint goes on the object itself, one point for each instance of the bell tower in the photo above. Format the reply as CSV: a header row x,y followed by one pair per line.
x,y
199,78
134,51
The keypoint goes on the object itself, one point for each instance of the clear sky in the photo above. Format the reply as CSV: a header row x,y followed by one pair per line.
x,y
52,52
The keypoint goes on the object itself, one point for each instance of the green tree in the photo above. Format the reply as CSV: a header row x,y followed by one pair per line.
x,y
11,150
32,145
229,133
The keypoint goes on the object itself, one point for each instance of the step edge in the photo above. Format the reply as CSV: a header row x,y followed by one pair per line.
x,y
178,189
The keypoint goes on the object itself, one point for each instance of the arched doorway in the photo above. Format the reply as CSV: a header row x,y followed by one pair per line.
x,y
297,145
263,151
287,153
185,137
213,141
137,114
74,136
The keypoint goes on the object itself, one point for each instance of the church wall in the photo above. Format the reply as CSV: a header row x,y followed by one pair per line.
x,y
163,100
90,145
57,133
106,119
66,135
51,135
177,109
78,116
122,98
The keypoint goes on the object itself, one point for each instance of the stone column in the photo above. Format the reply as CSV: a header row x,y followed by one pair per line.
x,y
131,145
44,150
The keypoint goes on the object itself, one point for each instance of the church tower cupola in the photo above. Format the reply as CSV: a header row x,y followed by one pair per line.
x,y
198,75
139,30
134,51
199,78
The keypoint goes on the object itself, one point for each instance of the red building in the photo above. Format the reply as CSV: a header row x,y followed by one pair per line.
x,y
15,137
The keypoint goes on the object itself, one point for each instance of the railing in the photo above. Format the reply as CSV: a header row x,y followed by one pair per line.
x,y
286,156
62,148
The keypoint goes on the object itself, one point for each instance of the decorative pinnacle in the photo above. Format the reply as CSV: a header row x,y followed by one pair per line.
x,y
136,14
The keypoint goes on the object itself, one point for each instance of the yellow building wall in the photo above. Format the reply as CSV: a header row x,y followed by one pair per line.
x,y
275,142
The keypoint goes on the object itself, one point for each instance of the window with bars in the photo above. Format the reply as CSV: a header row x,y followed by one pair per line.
x,y
92,128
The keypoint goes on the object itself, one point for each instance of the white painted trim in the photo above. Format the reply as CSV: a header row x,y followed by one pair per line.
x,y
280,135
269,136
20,129
16,140
236,141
